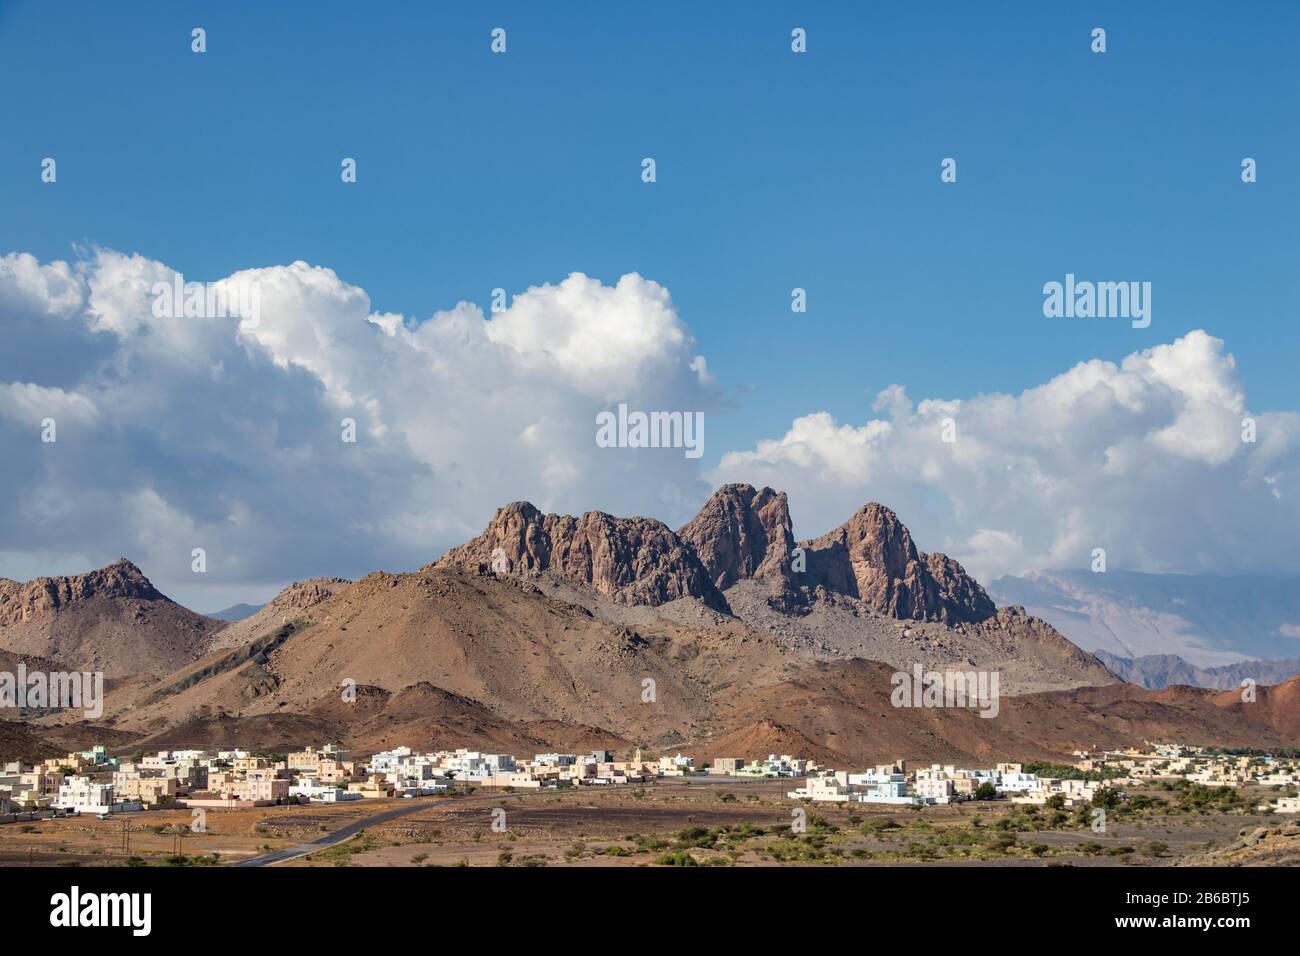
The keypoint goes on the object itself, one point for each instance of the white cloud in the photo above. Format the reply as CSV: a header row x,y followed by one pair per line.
x,y
177,433
203,433
1143,458
27,404
53,290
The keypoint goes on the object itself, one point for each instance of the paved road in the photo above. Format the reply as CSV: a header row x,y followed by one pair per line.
x,y
335,837
352,829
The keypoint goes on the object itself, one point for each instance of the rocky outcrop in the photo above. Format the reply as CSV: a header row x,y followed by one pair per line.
x,y
111,620
304,594
741,534
872,557
631,560
20,603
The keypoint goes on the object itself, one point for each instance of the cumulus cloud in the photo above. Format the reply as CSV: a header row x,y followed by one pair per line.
x,y
180,433
177,433
1144,458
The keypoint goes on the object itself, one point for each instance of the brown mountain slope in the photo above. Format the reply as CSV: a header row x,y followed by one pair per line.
x,y
839,713
846,707
450,657
285,606
20,741
111,620
424,715
834,597
31,741
276,733
1276,708
500,642
759,739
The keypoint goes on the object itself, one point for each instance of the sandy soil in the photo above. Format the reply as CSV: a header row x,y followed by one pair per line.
x,y
729,823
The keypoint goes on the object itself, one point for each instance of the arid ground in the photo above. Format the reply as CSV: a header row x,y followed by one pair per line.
x,y
731,823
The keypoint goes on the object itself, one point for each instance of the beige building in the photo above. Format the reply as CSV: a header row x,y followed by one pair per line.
x,y
727,764
148,790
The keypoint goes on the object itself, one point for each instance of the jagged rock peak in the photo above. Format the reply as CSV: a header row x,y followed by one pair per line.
x,y
742,533
23,601
872,557
632,560
308,593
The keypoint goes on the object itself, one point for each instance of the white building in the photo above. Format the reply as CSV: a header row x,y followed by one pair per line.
x,y
869,787
938,790
1017,782
318,792
79,795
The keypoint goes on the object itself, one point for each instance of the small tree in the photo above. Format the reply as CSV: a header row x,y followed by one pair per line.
x,y
1107,797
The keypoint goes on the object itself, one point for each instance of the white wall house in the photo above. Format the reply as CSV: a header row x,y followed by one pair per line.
x,y
79,795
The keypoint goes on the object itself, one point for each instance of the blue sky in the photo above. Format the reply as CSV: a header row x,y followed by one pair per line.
x,y
775,170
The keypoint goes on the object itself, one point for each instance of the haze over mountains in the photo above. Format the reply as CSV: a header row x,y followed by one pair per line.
x,y
236,612
554,631
1207,622
1158,671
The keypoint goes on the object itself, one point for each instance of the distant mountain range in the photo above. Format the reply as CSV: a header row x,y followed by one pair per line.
x,y
1207,620
552,631
236,612
1158,671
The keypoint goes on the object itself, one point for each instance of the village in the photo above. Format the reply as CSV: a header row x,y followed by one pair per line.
x,y
96,783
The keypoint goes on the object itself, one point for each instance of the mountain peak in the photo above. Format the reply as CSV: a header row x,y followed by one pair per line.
x,y
872,557
111,619
631,560
742,533
22,601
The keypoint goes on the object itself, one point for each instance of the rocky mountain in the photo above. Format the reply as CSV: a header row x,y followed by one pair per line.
x,y
23,603
838,596
286,606
1208,620
635,561
450,656
740,534
112,620
550,631
872,557
521,656
1158,671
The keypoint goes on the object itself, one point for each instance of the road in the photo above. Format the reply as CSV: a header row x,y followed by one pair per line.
x,y
335,837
